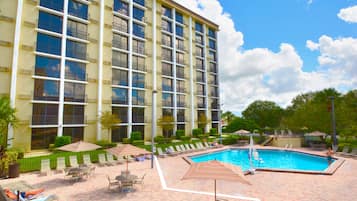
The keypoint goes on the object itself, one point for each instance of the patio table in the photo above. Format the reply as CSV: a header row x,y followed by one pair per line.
x,y
127,181
78,173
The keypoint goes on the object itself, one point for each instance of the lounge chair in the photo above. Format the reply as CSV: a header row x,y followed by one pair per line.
x,y
102,160
194,148
160,152
121,160
172,152
73,161
345,151
188,148
61,164
183,148
113,182
86,160
202,146
199,146
290,146
129,158
45,166
178,148
110,159
354,152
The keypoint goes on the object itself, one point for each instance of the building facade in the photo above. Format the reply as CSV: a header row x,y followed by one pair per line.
x,y
64,62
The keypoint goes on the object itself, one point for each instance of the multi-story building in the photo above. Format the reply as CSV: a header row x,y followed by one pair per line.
x,y
64,62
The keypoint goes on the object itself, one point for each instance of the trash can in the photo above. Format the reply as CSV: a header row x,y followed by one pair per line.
x,y
14,170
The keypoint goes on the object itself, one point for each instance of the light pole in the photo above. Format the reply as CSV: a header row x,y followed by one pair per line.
x,y
153,125
333,121
220,124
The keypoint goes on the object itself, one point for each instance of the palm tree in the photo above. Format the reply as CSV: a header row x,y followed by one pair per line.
x,y
166,123
7,117
228,116
202,122
108,121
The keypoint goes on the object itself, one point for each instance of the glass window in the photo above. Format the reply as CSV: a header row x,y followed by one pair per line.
x,y
211,33
213,79
214,91
200,76
167,112
138,115
180,126
212,56
199,39
140,2
213,67
166,26
138,14
180,58
77,29
180,115
74,92
120,24
167,84
180,72
200,89
167,11
212,44
139,63
120,41
75,71
199,27
41,138
44,114
166,69
120,59
121,7
180,86
138,46
55,5
48,44
138,97
201,103
120,77
215,104
119,96
166,54
48,67
138,80
199,51
179,30
73,114
138,128
200,64
179,17
76,133
76,50
166,40
50,22
78,9
118,133
167,100
180,44
180,100
122,113
46,90
214,115
138,30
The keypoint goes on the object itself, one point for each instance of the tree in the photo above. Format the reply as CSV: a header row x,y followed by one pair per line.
x,y
7,117
240,123
228,116
108,121
202,122
166,122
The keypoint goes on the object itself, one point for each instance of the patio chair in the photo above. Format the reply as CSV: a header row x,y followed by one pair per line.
x,y
110,159
178,148
73,162
188,148
207,145
183,148
193,147
129,158
121,160
199,146
160,152
354,152
113,182
140,180
202,146
172,152
86,160
45,166
101,160
290,146
61,164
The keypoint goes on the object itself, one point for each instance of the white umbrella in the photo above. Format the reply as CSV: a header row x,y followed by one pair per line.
x,y
242,132
79,146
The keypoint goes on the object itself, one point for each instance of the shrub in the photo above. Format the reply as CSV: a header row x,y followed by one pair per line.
x,y
105,144
62,140
20,152
203,136
197,131
228,141
185,138
180,133
136,135
126,141
51,147
213,131
138,142
159,139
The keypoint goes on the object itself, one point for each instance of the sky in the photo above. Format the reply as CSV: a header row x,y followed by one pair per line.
x,y
275,50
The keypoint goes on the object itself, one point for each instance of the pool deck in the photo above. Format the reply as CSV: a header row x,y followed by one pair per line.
x,y
164,183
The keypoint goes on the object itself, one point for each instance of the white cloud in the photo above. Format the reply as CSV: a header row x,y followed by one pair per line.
x,y
309,2
348,14
260,73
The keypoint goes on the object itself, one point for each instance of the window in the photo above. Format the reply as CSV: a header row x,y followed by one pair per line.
x,y
215,104
167,112
166,40
48,67
180,86
213,79
166,26
120,77
167,11
201,102
120,24
212,56
120,41
76,133
180,58
138,30
138,115
139,46
50,22
138,14
200,64
44,114
48,44
166,69
121,7
180,100
118,133
179,18
138,63
55,5
74,92
73,114
214,91
76,50
200,89
199,27
138,97
78,9
180,72
140,2
119,96
180,115
75,71
46,90
41,138
77,29
179,30
120,59
212,44
180,126
180,44
122,113
199,51
138,80
166,54
211,33
167,100
199,39
213,67
214,115
167,84
200,76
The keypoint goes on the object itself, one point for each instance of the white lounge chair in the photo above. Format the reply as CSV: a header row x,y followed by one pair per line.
x,y
172,152
45,166
101,160
110,159
86,160
183,148
73,162
61,164
161,153
188,148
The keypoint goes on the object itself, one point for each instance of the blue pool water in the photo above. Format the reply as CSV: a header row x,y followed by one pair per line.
x,y
272,159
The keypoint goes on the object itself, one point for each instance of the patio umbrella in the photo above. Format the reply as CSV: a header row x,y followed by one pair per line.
x,y
316,134
242,132
217,171
79,146
127,150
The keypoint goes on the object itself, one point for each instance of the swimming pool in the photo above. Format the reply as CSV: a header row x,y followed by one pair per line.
x,y
268,159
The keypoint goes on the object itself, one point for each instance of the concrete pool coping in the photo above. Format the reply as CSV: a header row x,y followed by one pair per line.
x,y
329,171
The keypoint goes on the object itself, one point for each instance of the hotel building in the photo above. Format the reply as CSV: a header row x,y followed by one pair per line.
x,y
64,62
